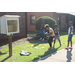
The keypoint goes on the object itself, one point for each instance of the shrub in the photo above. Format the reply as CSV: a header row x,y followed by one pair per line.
x,y
47,20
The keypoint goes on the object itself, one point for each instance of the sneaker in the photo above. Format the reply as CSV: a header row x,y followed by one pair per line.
x,y
40,39
66,48
71,48
50,48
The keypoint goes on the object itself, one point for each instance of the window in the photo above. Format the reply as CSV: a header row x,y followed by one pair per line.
x,y
32,20
71,18
59,20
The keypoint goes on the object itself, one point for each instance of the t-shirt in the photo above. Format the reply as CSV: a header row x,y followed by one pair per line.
x,y
69,30
56,31
51,31
42,26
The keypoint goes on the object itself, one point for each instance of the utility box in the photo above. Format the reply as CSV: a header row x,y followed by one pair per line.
x,y
9,24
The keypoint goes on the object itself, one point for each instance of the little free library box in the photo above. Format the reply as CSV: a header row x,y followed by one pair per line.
x,y
9,24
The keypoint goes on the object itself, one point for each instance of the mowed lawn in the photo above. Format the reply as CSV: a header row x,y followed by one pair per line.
x,y
40,50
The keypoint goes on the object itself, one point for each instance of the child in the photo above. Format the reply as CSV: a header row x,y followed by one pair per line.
x,y
51,35
42,33
70,34
57,35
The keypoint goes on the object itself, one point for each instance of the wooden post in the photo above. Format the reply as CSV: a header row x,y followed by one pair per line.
x,y
10,44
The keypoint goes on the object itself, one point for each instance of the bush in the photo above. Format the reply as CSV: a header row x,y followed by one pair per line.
x,y
47,20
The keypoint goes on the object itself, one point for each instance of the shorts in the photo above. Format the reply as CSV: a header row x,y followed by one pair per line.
x,y
57,37
42,31
70,38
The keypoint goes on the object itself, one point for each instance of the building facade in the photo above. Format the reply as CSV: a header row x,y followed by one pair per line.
x,y
32,16
27,21
61,19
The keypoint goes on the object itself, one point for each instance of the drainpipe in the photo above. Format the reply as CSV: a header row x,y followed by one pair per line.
x,y
26,23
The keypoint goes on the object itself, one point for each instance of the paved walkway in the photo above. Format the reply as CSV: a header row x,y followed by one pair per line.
x,y
60,56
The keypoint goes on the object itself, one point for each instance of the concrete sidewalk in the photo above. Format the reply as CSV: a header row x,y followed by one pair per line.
x,y
60,56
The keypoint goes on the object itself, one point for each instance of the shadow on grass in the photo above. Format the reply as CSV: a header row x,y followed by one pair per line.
x,y
63,33
36,41
5,59
47,54
2,53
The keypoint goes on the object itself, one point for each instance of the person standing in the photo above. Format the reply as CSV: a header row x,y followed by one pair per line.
x,y
51,35
42,33
70,34
57,35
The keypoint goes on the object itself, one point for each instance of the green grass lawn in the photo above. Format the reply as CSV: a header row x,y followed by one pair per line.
x,y
35,53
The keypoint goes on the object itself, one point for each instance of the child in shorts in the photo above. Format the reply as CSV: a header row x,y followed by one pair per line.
x,y
57,35
42,32
70,34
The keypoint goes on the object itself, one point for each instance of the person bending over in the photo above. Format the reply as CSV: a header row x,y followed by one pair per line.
x,y
51,35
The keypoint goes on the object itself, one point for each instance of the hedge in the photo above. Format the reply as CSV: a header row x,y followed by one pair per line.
x,y
47,20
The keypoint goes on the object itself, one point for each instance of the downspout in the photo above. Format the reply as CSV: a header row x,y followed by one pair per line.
x,y
26,23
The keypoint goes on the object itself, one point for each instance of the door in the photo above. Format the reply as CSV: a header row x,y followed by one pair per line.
x,y
59,22
74,22
67,22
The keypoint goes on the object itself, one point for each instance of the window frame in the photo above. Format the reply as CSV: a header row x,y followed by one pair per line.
x,y
32,20
59,20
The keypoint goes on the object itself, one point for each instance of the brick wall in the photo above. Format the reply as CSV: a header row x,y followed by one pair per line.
x,y
21,24
63,20
37,15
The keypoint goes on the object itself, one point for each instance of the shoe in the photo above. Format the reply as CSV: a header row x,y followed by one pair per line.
x,y
50,48
71,48
40,39
66,48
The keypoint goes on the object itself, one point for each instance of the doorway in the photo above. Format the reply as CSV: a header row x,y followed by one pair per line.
x,y
59,22
74,22
67,21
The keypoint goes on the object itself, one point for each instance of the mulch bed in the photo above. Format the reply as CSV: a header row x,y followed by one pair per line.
x,y
17,41
5,41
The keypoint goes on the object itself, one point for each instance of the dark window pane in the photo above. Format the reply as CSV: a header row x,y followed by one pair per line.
x,y
32,20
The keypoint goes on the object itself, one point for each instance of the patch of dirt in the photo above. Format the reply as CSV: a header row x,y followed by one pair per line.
x,y
16,42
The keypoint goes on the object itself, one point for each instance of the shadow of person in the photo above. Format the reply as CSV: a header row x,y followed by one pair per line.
x,y
36,45
47,54
5,59
69,54
2,53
